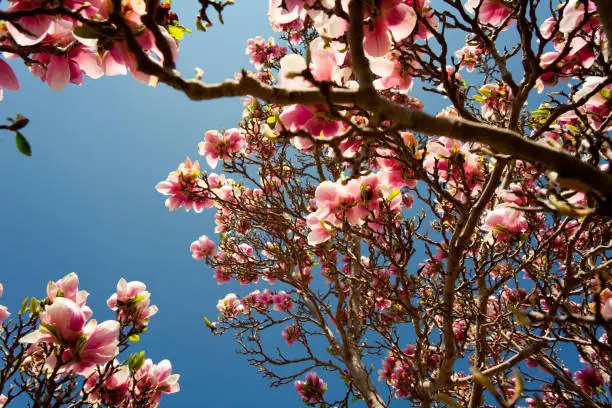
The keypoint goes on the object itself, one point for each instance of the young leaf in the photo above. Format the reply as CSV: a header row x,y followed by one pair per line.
x,y
22,144
136,361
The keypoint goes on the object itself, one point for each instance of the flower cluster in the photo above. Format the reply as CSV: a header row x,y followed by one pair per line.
x,y
264,54
132,304
231,306
80,344
312,389
69,48
73,350
142,386
354,201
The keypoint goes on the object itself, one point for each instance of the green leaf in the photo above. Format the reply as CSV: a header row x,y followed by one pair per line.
x,y
177,31
394,194
24,306
22,144
134,338
136,361
485,92
81,342
50,329
33,305
136,299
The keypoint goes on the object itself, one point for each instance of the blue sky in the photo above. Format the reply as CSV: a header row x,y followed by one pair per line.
x,y
85,202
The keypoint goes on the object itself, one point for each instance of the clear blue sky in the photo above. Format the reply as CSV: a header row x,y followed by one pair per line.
x,y
86,202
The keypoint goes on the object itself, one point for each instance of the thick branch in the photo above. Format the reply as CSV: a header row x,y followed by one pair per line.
x,y
359,61
502,140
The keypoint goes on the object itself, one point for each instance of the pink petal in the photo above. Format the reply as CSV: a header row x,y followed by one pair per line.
x,y
90,63
113,62
38,26
58,72
376,43
401,21
8,79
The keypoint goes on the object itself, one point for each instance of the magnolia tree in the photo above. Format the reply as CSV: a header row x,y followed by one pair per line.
x,y
458,257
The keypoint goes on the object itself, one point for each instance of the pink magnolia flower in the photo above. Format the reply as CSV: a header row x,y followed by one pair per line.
x,y
68,287
132,303
493,12
100,347
514,194
598,106
288,75
264,53
495,99
469,57
62,322
588,379
282,301
314,120
114,390
259,301
391,19
217,146
326,64
444,156
126,291
3,399
8,80
329,26
4,313
505,222
393,72
311,390
222,275
574,15
58,70
606,304
35,28
320,230
156,379
361,197
185,188
426,12
291,334
287,11
204,247
392,171
230,306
